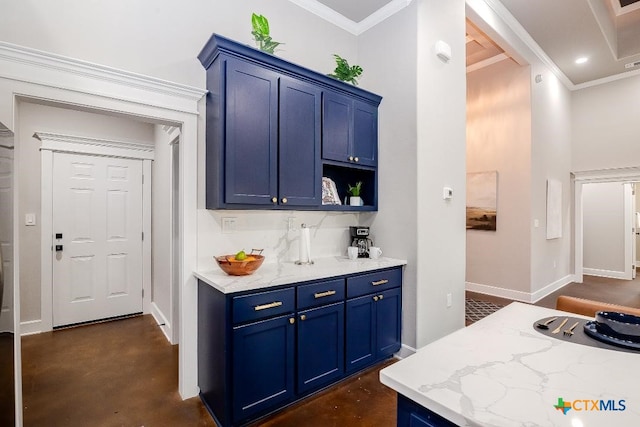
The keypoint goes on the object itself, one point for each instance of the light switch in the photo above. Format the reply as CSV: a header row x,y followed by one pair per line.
x,y
536,223
30,219
447,193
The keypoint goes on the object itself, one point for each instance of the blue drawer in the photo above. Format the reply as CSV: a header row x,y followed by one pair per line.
x,y
373,282
264,304
320,293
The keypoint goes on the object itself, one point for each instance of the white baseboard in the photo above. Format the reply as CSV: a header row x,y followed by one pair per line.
x,y
161,320
527,297
604,273
552,287
405,351
498,292
30,327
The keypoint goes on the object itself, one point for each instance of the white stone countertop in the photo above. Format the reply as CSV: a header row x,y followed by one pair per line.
x,y
269,275
499,371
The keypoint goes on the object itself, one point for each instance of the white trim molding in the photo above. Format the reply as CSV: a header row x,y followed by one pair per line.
x,y
355,28
605,273
161,321
30,327
35,66
405,351
94,146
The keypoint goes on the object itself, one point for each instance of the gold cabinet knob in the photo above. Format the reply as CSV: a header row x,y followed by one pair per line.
x,y
356,159
381,296
292,320
351,158
303,317
274,200
284,200
375,298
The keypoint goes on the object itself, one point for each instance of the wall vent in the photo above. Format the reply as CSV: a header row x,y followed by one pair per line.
x,y
632,64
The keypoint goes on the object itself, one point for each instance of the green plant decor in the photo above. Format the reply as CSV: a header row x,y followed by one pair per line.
x,y
345,72
354,190
261,34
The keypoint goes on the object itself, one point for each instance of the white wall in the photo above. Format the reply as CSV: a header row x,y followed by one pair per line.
x,y
162,38
551,152
603,225
606,129
44,118
396,222
440,154
499,138
161,238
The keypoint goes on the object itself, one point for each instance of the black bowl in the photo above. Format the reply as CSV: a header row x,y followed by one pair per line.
x,y
619,325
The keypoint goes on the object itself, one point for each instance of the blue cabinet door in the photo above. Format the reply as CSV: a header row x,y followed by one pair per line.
x,y
361,333
365,133
337,131
251,133
320,346
263,366
349,130
373,328
388,321
300,173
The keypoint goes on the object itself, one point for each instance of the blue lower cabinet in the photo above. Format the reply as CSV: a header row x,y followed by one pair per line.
x,y
373,328
410,414
320,346
263,361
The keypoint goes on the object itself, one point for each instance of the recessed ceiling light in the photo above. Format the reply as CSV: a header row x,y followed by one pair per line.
x,y
582,60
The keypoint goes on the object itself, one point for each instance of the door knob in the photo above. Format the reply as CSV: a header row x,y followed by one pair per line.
x,y
274,200
292,320
375,298
351,158
284,200
303,317
356,160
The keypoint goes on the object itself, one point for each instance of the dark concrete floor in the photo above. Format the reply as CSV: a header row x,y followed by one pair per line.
x,y
125,373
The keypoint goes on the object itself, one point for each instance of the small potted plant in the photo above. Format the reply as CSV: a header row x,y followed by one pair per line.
x,y
354,193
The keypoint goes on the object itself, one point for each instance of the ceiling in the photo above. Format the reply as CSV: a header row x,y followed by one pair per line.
x,y
606,32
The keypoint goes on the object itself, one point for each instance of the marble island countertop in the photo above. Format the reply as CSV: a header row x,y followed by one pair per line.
x,y
501,372
277,274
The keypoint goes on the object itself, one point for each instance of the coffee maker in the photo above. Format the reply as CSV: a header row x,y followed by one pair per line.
x,y
360,239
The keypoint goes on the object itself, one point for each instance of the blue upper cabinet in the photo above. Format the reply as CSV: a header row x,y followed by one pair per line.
x,y
271,127
300,169
349,130
251,143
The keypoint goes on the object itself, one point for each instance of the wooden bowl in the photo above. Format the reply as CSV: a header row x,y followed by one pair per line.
x,y
247,266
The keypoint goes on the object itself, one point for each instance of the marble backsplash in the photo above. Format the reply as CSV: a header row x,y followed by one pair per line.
x,y
269,230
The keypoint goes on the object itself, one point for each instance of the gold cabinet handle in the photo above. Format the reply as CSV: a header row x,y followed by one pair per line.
x,y
381,296
351,158
324,294
274,200
284,200
267,306
375,298
380,282
303,317
356,160
292,320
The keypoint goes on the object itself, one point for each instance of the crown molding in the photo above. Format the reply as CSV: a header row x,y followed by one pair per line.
x,y
34,66
355,28
85,145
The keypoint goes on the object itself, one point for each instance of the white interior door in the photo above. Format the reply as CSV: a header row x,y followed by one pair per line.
x,y
97,225
6,239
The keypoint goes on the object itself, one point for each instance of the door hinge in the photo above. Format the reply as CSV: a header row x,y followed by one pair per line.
x,y
143,179
143,293
143,236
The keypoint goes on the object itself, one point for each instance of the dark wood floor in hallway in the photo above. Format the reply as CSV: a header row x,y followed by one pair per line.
x,y
125,373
